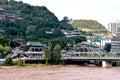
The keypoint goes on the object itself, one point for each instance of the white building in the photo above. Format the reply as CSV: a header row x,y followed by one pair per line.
x,y
114,28
102,42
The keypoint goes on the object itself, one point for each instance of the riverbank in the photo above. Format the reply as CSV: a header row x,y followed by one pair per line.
x,y
68,72
48,65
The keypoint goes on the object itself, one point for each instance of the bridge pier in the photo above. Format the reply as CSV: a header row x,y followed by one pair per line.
x,y
106,64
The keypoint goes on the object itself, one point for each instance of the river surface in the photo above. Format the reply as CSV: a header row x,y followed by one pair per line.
x,y
70,72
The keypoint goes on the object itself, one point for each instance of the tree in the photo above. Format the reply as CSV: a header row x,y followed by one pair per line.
x,y
107,47
53,53
8,61
4,41
25,48
4,1
33,23
57,53
14,44
4,50
47,53
62,41
31,29
78,39
57,33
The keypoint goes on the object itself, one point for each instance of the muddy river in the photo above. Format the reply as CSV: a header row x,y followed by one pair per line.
x,y
70,72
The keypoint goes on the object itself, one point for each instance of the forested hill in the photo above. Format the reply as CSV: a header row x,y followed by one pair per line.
x,y
36,20
91,26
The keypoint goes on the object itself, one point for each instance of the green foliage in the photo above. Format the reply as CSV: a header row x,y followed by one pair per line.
x,y
98,63
93,55
4,41
78,39
107,47
57,53
65,25
8,61
57,33
18,63
47,53
25,48
85,64
118,63
36,21
13,44
61,41
4,50
53,54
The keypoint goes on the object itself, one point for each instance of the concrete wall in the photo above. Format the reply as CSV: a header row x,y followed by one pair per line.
x,y
106,64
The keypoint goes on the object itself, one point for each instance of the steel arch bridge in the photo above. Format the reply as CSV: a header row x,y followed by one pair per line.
x,y
71,55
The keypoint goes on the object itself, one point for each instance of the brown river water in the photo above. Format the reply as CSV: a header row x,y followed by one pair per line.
x,y
70,72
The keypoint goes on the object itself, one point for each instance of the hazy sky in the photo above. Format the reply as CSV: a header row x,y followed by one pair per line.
x,y
104,11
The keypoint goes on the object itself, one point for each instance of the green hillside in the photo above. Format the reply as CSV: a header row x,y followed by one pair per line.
x,y
36,20
90,26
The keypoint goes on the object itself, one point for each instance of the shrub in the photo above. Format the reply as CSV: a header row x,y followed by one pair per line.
x,y
8,61
98,63
85,64
62,62
18,62
118,63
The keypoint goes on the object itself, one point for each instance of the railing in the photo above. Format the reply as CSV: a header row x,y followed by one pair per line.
x,y
72,55
100,58
77,58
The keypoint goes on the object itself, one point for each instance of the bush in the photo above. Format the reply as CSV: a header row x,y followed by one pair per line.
x,y
98,63
117,63
18,62
85,64
8,61
62,62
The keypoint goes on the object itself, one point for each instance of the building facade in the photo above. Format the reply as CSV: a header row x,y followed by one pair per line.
x,y
100,42
114,28
70,33
115,45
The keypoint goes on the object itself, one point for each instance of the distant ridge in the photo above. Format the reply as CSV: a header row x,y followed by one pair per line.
x,y
91,26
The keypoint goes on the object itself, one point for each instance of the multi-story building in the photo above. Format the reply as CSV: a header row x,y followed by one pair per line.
x,y
118,30
115,45
105,41
114,28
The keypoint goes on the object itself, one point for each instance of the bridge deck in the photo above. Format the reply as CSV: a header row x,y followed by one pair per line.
x,y
79,58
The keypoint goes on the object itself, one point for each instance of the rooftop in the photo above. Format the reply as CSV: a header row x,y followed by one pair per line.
x,y
2,9
33,43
